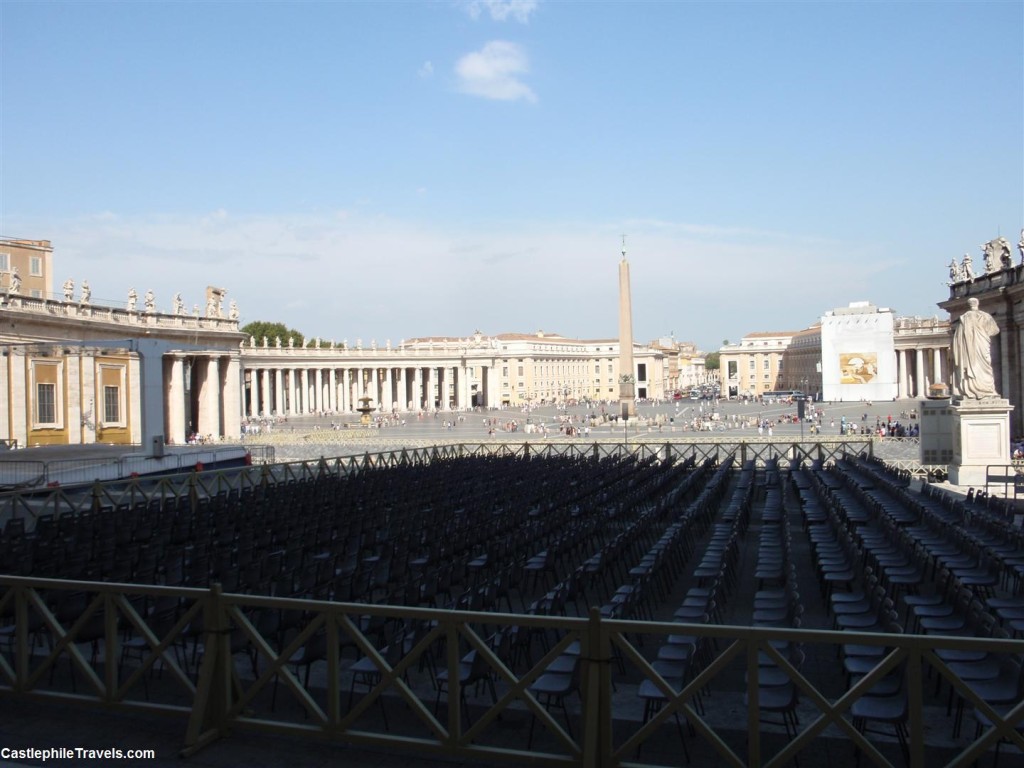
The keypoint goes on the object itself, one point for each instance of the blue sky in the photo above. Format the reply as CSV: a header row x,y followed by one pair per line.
x,y
389,170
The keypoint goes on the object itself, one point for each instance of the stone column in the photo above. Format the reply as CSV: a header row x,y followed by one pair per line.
x,y
232,399
254,393
254,390
175,388
489,399
332,389
417,388
936,365
464,394
18,376
901,366
400,397
442,388
73,400
5,386
343,393
388,401
209,399
264,392
134,373
278,393
304,390
290,376
920,383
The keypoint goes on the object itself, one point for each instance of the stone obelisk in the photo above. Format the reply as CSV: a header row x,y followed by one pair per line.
x,y
627,379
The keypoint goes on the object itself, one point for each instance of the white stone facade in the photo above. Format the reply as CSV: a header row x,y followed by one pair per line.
x,y
858,357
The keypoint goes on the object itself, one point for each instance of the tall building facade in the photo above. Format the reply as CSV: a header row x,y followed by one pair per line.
x,y
26,268
858,357
755,365
506,370
73,373
853,353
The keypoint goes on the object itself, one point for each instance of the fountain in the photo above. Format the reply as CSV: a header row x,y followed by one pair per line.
x,y
365,410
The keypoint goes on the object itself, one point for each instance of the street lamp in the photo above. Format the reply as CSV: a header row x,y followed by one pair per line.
x,y
801,408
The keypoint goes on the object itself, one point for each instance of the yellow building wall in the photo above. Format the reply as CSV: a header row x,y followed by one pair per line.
x,y
51,374
112,371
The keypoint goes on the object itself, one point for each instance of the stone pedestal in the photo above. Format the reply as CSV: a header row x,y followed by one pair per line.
x,y
627,402
981,437
937,427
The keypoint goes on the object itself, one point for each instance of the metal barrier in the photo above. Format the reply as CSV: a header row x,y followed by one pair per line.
x,y
1009,476
34,475
195,650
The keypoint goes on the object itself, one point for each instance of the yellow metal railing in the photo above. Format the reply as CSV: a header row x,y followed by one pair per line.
x,y
216,662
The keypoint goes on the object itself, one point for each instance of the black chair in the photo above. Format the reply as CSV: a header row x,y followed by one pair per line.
x,y
554,687
367,672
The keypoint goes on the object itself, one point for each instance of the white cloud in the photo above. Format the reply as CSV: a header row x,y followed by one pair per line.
x,y
494,71
323,272
502,10
426,71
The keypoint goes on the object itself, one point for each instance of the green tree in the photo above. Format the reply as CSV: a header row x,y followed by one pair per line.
x,y
711,361
258,329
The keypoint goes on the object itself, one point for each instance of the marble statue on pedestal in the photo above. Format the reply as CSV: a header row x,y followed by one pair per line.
x,y
69,289
86,293
967,268
972,353
133,298
150,301
14,288
954,272
998,255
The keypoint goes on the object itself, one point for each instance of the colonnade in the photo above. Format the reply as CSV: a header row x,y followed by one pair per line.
x,y
917,368
297,389
203,395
